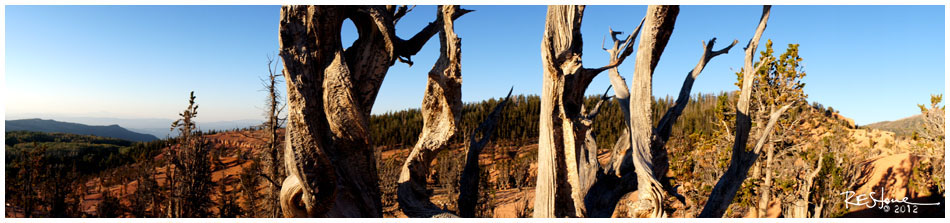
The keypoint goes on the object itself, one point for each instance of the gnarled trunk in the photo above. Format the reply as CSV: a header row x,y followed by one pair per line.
x,y
571,182
328,147
330,93
566,162
658,27
441,110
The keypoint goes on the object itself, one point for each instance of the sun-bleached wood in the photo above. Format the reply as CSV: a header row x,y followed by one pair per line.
x,y
567,165
330,160
657,29
441,111
567,174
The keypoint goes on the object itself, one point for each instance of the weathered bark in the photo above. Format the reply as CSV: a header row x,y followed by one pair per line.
x,y
468,181
658,27
291,193
616,178
560,55
620,155
441,110
325,121
330,95
567,164
725,190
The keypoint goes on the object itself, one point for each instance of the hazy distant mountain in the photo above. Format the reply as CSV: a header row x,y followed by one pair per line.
x,y
162,129
41,125
157,127
903,127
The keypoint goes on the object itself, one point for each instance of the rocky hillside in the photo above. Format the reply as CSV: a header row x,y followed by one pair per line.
x,y
855,159
510,171
902,127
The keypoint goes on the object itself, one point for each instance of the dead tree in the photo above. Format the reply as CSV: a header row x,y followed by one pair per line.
x,y
570,180
659,24
468,182
274,172
648,155
567,164
331,90
567,161
328,154
441,111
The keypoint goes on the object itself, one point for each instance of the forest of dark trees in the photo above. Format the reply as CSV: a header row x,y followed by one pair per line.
x,y
518,122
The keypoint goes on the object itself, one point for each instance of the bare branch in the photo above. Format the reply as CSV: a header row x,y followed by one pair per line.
x,y
620,155
773,118
269,179
400,12
593,112
665,126
468,181
621,50
407,48
725,190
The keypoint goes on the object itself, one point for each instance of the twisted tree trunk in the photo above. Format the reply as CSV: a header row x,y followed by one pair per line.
x,y
441,110
657,30
331,91
567,164
570,181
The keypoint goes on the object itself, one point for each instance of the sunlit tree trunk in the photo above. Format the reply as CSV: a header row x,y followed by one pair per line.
x,y
565,170
571,182
441,111
330,94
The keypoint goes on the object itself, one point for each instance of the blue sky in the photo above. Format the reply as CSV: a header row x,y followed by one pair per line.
x,y
873,63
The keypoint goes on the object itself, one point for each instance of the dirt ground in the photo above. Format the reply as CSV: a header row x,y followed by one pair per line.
x,y
888,171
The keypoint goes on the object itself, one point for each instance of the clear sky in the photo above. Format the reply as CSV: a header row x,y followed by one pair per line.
x,y
873,63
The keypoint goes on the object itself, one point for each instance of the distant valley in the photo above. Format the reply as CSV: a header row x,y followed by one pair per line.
x,y
128,129
50,126
156,127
